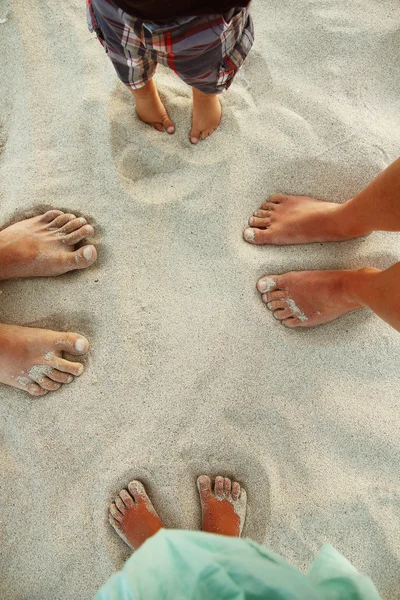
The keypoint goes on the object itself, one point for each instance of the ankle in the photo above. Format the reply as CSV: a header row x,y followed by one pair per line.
x,y
354,223
358,285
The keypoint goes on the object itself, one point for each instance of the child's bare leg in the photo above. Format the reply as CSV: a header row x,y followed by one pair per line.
x,y
206,115
150,109
301,220
309,298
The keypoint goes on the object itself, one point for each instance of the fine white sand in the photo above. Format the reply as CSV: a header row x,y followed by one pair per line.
x,y
188,372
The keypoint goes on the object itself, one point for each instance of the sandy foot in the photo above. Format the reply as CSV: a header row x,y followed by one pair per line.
x,y
206,115
31,359
224,507
307,298
299,220
133,516
44,246
151,110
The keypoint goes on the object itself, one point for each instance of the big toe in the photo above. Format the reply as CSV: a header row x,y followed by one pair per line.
x,y
267,284
73,343
138,491
252,235
168,125
84,257
204,486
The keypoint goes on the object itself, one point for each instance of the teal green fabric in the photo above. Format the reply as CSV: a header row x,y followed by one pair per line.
x,y
177,565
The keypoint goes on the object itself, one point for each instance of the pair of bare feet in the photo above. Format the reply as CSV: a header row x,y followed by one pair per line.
x,y
223,508
306,298
151,110
50,244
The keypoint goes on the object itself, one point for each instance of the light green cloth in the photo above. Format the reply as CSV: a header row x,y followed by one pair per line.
x,y
175,565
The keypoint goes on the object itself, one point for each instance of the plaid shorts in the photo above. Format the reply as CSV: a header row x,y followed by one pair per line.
x,y
205,52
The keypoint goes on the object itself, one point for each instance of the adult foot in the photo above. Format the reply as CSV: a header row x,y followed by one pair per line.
x,y
44,246
309,298
133,516
285,220
224,508
150,109
31,359
206,115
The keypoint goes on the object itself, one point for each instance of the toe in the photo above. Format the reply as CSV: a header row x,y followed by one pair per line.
x,y
60,377
114,512
168,125
277,304
120,505
256,236
260,223
268,207
268,283
127,499
276,295
50,215
48,384
73,225
77,236
292,322
65,366
113,522
137,490
235,490
262,214
158,127
283,314
84,257
219,487
34,389
73,343
62,220
227,486
194,135
204,486
276,198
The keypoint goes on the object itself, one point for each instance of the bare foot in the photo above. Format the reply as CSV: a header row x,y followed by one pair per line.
x,y
206,115
300,220
150,109
45,246
31,359
133,516
309,298
224,509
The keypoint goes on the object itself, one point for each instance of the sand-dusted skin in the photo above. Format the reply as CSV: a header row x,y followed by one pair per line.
x,y
309,298
134,518
32,359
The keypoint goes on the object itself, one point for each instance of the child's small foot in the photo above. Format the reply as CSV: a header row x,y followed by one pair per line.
x,y
150,109
224,508
206,115
133,516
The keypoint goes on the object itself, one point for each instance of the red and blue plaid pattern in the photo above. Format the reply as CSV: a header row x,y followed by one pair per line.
x,y
205,52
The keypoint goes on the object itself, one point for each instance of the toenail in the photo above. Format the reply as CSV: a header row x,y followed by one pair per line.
x,y
79,370
80,345
171,129
249,235
194,140
87,254
265,285
82,220
251,221
70,379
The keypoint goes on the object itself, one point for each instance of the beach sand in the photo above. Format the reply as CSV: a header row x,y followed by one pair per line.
x,y
188,372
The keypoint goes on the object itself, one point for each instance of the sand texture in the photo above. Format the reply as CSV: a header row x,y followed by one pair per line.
x,y
188,372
